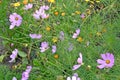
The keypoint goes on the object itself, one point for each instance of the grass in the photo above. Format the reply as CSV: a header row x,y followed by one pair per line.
x,y
100,28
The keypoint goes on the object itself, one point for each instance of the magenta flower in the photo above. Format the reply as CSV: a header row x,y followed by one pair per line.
x,y
79,61
13,55
75,35
107,61
25,74
41,13
54,49
15,20
35,36
28,6
74,77
44,46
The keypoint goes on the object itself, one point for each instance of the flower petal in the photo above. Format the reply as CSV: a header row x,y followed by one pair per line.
x,y
101,66
76,67
99,61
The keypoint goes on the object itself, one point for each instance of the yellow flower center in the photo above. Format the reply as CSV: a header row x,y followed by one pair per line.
x,y
16,18
107,61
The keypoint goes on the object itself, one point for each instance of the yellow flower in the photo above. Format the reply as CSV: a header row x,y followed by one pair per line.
x,y
63,13
48,28
56,56
55,39
51,1
97,1
16,4
99,34
77,12
87,0
56,13
80,39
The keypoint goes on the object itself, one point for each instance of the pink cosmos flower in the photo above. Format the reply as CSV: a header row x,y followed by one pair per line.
x,y
75,35
15,20
54,49
41,13
74,77
44,46
28,6
25,74
107,61
13,55
35,36
79,61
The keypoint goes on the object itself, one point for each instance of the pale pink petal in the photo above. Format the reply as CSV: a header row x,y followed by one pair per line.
x,y
74,35
68,78
103,56
101,66
78,31
99,61
76,67
74,78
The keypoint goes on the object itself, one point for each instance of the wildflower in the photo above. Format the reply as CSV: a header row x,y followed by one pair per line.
x,y
74,77
79,39
15,20
55,39
41,13
35,36
17,4
61,35
25,74
56,13
107,61
25,2
48,28
82,16
77,12
97,1
79,61
28,6
54,49
44,46
56,56
51,1
76,33
98,34
63,13
87,0
13,55
14,78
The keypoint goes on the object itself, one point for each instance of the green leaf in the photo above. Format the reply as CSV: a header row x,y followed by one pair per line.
x,y
1,58
22,54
